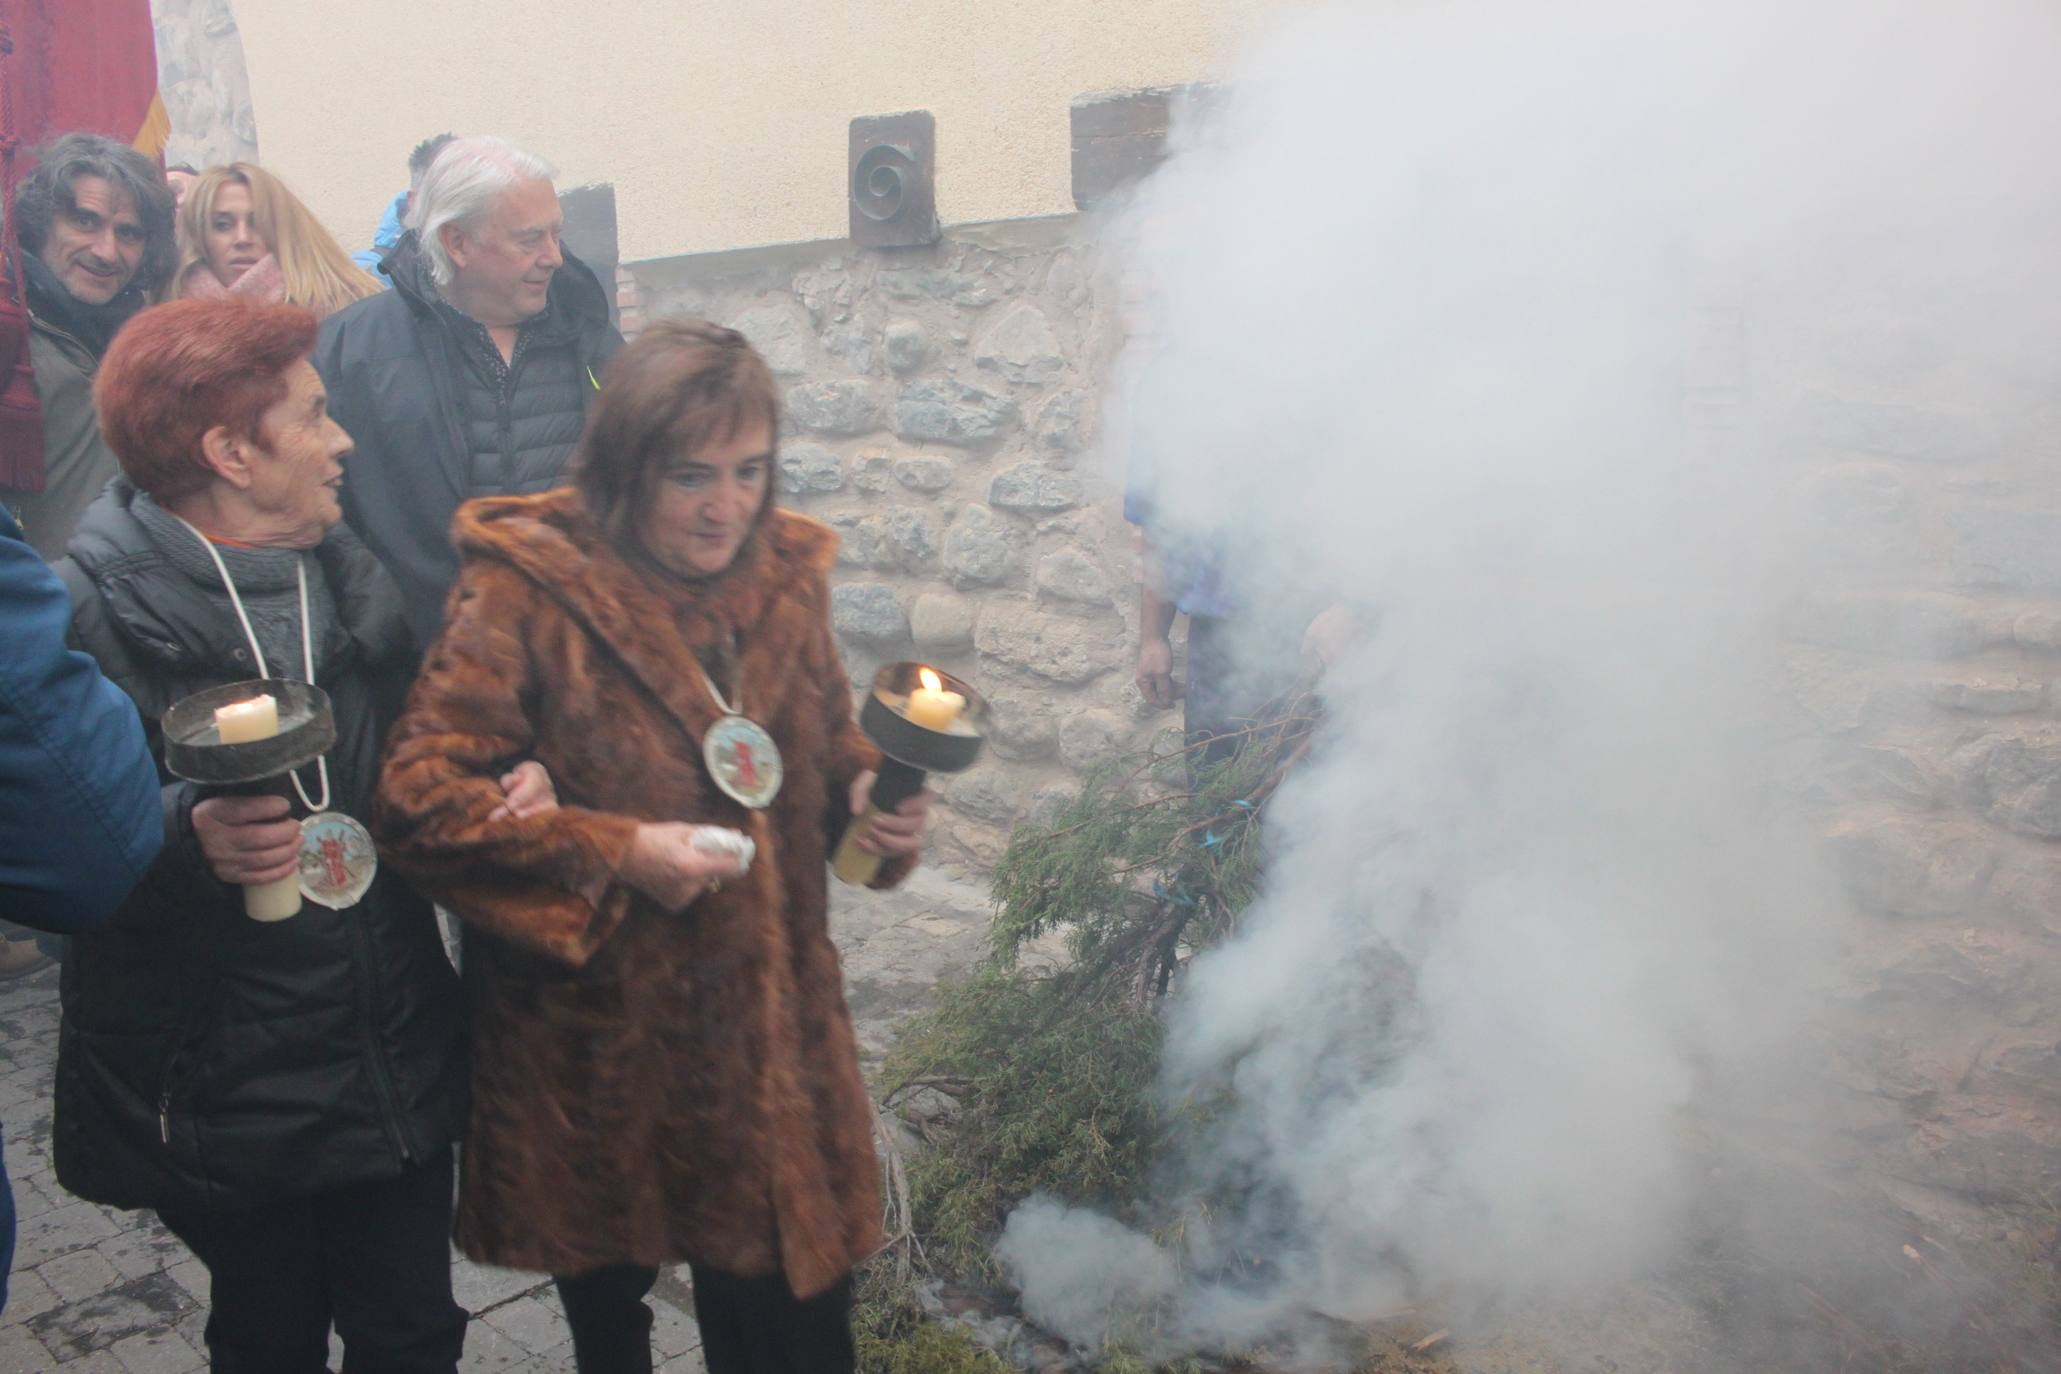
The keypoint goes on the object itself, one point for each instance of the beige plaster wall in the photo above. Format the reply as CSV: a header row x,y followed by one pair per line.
x,y
722,123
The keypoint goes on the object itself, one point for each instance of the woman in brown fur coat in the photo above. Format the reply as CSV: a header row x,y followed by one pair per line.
x,y
663,1065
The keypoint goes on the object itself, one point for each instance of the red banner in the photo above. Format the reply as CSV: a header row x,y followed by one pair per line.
x,y
88,66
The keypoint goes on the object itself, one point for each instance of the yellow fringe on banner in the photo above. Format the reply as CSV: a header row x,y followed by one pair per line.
x,y
150,140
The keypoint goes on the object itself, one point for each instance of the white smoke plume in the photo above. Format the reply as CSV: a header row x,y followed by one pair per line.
x,y
1499,323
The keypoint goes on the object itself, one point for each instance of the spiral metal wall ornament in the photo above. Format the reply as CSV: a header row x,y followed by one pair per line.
x,y
892,194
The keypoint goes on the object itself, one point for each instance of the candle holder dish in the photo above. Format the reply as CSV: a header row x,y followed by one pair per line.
x,y
911,752
194,749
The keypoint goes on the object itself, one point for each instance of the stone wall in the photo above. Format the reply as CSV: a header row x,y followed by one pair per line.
x,y
945,413
943,409
206,90
1923,668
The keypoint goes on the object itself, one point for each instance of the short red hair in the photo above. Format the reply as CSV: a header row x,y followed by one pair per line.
x,y
177,371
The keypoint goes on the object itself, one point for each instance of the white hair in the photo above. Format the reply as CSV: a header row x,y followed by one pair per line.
x,y
460,188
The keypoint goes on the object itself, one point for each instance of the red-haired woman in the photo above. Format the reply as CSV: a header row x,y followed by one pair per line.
x,y
283,1094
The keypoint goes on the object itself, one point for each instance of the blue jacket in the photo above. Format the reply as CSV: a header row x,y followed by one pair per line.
x,y
80,817
80,812
384,238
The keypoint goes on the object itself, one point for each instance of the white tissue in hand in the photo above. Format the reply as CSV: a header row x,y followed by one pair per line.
x,y
716,839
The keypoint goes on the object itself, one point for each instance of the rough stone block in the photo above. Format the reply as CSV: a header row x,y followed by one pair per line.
x,y
1897,430
945,412
1906,866
1071,575
967,289
809,469
1089,739
868,611
2007,547
908,346
1050,804
2014,780
941,620
873,473
780,335
1983,696
1994,1162
1062,422
980,547
1034,487
927,475
985,794
1968,975
843,407
1022,728
1055,649
1021,346
851,343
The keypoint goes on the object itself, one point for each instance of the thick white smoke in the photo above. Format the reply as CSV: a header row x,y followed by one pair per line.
x,y
1497,323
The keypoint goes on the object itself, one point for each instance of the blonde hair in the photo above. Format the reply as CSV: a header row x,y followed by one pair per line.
x,y
317,272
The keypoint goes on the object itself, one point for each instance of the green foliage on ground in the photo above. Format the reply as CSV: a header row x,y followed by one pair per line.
x,y
1036,1074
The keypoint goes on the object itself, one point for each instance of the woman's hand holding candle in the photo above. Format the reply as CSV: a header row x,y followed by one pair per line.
x,y
894,834
248,841
931,706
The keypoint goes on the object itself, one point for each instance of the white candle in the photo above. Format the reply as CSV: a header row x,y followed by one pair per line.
x,y
932,707
242,722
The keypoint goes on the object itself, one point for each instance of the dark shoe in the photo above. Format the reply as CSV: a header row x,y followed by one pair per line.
x,y
20,958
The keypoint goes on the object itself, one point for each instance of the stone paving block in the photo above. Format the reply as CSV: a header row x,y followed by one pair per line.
x,y
487,1351
22,1353
79,1275
157,1352
148,1304
33,1199
59,1231
27,1296
478,1287
534,1325
191,1275
20,1088
689,1363
557,1360
145,1249
193,1329
673,1331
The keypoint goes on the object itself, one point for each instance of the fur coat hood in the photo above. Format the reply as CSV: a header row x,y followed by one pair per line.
x,y
649,1086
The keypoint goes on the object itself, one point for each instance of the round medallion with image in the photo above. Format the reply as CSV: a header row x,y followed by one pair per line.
x,y
743,760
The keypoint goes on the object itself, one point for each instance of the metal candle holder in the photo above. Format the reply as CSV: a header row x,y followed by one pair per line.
x,y
911,752
194,749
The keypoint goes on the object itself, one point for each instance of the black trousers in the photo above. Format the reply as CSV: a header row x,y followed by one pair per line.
x,y
374,1259
748,1326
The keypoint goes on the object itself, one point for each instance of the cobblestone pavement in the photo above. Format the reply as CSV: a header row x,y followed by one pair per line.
x,y
97,1291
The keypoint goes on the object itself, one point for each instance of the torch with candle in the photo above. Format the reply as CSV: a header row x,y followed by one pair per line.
x,y
924,722
242,740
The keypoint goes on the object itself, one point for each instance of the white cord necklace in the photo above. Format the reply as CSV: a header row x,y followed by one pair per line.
x,y
300,568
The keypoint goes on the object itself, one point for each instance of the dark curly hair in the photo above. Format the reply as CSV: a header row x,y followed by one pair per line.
x,y
47,192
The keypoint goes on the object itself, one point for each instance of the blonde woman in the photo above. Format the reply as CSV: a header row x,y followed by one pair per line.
x,y
242,233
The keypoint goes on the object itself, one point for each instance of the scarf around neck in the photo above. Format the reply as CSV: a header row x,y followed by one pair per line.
x,y
262,281
92,325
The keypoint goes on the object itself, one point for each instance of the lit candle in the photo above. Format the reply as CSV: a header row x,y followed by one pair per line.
x,y
243,722
931,706
246,722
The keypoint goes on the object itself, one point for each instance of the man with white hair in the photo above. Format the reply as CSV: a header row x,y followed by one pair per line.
x,y
471,377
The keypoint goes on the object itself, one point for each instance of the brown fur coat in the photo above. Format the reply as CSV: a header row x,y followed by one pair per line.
x,y
647,1087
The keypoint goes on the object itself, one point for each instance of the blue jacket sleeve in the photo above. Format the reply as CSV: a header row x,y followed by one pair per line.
x,y
80,809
